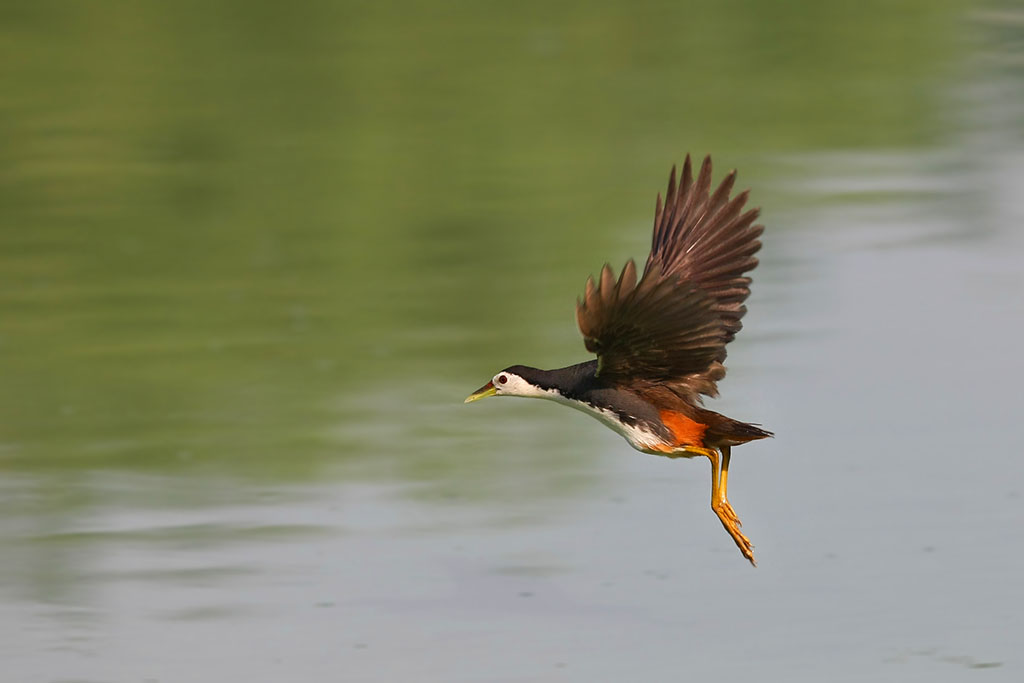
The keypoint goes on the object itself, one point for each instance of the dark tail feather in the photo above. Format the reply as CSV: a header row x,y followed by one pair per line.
x,y
726,431
749,432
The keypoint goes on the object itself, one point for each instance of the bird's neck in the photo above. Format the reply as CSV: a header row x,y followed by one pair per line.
x,y
570,382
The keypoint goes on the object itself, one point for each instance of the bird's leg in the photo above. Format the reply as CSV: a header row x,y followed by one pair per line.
x,y
723,485
719,504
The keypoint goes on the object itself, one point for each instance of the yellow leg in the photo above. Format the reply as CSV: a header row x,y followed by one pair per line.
x,y
719,504
723,485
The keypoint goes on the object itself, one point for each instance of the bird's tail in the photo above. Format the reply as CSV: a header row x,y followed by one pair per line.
x,y
726,431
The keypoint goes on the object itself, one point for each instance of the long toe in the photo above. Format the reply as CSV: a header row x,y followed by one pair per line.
x,y
745,546
732,526
730,514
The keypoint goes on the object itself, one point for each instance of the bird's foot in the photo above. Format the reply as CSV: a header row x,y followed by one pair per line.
x,y
732,524
730,514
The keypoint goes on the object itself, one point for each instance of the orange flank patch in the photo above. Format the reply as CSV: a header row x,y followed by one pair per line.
x,y
687,432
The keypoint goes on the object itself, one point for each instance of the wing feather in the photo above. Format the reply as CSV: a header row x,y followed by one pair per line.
x,y
673,324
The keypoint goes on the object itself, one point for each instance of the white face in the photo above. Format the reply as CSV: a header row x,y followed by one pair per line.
x,y
510,384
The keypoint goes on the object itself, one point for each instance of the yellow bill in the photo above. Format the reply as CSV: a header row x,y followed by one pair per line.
x,y
483,392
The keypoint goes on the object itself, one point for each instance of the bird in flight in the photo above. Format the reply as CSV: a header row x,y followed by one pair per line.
x,y
660,339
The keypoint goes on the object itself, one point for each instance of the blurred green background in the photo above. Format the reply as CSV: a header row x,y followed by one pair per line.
x,y
229,229
257,253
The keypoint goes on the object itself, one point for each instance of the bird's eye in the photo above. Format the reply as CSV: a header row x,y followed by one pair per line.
x,y
502,379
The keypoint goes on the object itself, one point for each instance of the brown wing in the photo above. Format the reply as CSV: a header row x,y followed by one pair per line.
x,y
672,326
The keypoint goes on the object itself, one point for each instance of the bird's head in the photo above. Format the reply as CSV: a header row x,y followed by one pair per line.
x,y
512,381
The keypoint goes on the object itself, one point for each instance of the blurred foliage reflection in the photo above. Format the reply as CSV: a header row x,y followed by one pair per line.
x,y
263,239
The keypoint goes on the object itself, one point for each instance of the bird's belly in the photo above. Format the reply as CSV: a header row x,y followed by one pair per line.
x,y
641,439
637,435
686,433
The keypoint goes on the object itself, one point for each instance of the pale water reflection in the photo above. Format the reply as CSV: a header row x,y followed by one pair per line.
x,y
248,276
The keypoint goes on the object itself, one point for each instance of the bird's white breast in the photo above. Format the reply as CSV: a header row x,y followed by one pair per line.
x,y
638,437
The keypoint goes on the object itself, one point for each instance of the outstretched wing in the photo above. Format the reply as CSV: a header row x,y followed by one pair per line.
x,y
672,326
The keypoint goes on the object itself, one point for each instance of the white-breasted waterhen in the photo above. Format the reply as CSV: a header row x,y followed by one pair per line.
x,y
660,341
